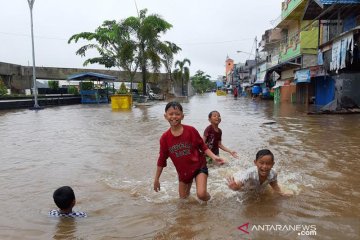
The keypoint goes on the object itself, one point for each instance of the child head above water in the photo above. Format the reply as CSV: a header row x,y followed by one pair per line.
x,y
264,162
64,198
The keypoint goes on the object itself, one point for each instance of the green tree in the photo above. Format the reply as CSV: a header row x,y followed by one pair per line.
x,y
182,73
201,82
113,45
145,32
129,44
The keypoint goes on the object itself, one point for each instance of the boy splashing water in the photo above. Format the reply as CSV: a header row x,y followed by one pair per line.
x,y
184,145
257,177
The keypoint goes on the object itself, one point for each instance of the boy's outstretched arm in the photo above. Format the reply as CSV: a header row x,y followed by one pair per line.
x,y
217,159
157,178
233,185
233,153
275,186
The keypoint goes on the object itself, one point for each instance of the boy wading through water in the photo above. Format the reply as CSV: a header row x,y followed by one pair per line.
x,y
184,145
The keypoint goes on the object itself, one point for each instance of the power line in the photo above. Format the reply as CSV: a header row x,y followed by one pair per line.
x,y
219,42
189,43
26,35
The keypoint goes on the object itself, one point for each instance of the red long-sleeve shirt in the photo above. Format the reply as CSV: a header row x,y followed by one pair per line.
x,y
186,152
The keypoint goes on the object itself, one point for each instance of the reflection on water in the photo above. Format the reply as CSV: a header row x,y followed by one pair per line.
x,y
65,229
109,158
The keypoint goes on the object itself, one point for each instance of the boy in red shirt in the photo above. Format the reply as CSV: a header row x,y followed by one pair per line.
x,y
184,145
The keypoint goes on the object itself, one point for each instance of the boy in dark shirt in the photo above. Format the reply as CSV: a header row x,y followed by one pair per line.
x,y
212,136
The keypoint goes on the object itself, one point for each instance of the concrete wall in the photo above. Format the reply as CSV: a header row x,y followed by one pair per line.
x,y
20,77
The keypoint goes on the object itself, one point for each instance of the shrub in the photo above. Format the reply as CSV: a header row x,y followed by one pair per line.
x,y
86,85
54,85
3,89
123,89
140,88
73,90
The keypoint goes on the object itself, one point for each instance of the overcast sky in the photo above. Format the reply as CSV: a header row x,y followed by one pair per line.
x,y
206,30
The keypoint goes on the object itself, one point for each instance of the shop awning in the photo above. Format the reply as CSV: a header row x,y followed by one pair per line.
x,y
278,84
259,81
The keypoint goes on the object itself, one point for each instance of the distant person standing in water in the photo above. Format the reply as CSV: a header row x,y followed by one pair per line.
x,y
213,134
236,92
184,145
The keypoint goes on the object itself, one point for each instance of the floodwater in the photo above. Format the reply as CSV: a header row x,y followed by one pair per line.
x,y
109,158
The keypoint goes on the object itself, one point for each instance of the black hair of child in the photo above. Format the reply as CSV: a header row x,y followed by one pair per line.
x,y
175,105
210,114
64,197
264,152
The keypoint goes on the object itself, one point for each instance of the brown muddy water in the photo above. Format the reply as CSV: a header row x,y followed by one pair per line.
x,y
109,158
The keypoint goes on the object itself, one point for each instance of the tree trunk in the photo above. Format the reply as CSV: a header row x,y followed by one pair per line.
x,y
143,69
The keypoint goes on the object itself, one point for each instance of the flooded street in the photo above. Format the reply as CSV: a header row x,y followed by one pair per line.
x,y
109,159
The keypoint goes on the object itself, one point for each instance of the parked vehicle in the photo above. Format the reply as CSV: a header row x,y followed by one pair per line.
x,y
154,96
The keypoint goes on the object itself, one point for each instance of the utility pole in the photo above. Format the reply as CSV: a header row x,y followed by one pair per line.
x,y
131,82
256,59
36,105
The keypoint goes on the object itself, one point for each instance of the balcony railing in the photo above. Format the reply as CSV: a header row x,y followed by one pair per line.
x,y
290,48
303,42
288,6
273,61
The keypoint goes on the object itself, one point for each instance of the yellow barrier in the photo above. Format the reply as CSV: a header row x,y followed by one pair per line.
x,y
123,101
221,93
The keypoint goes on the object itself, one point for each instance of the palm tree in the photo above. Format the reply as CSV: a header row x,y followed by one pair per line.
x,y
168,49
182,73
144,32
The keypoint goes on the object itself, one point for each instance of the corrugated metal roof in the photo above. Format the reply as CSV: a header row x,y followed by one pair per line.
x,y
91,76
317,7
338,1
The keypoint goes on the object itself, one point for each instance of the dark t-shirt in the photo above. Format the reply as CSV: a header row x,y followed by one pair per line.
x,y
212,139
186,151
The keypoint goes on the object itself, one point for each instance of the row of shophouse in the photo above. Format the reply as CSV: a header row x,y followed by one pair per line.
x,y
311,56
